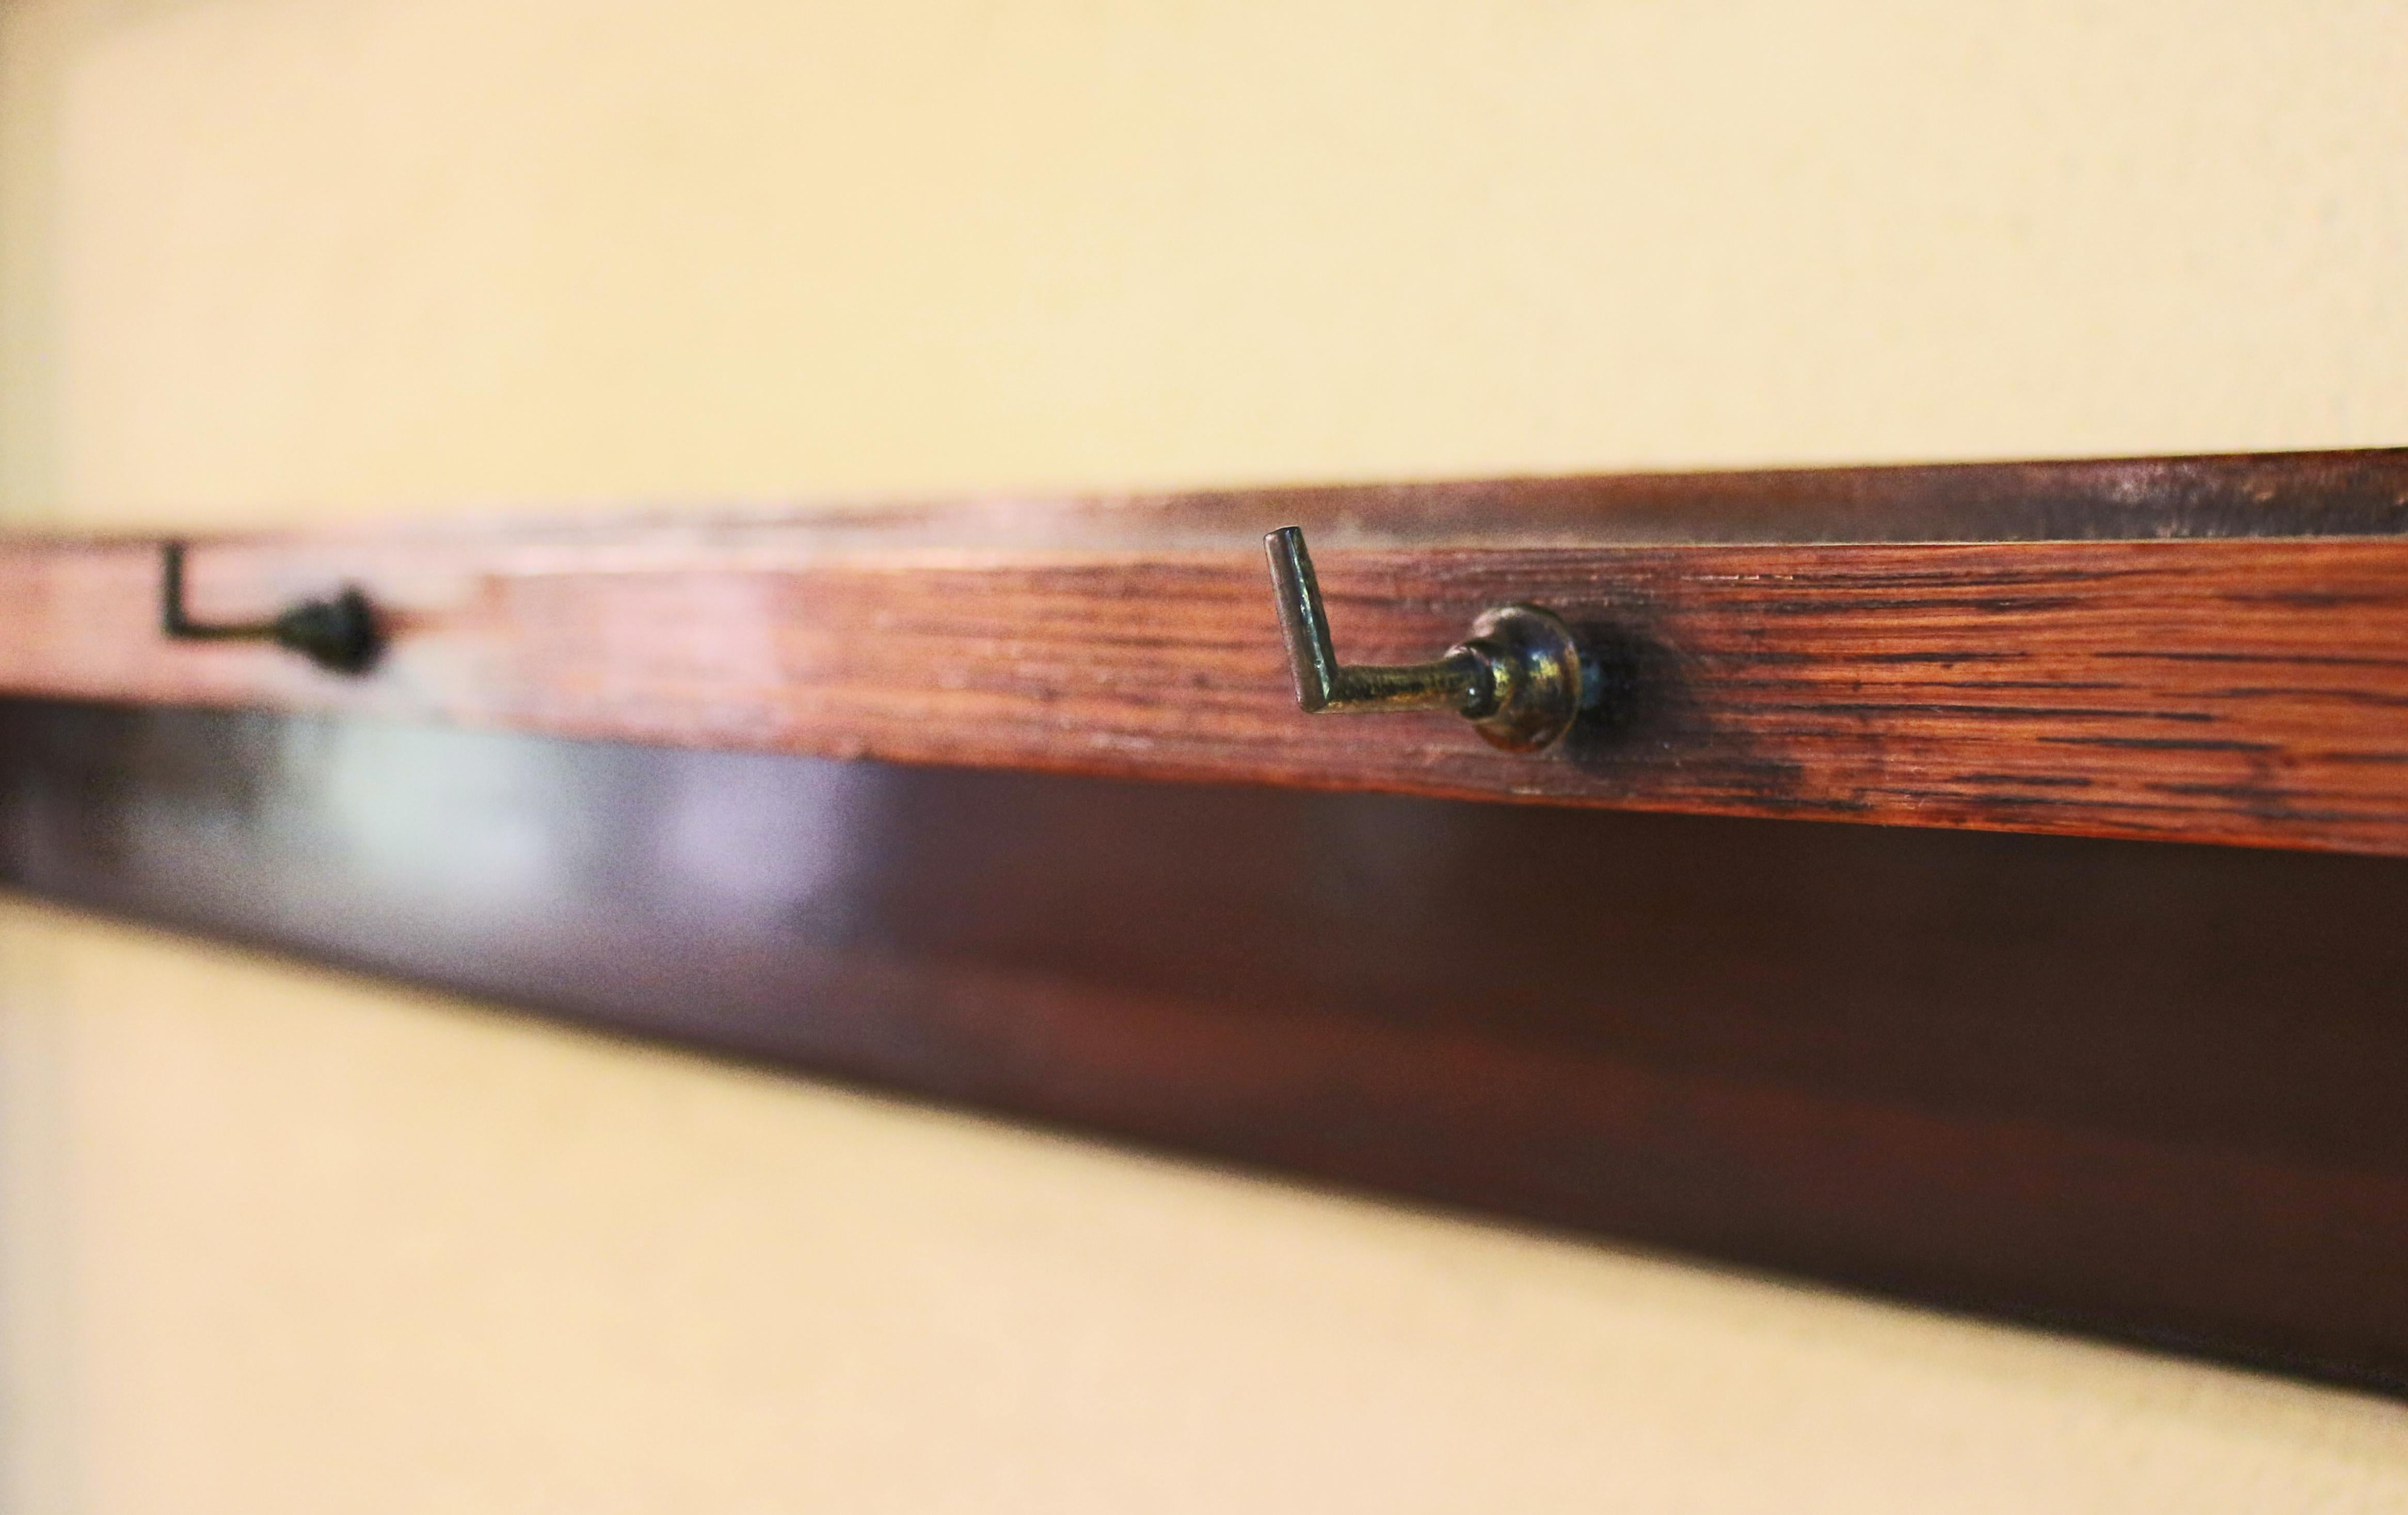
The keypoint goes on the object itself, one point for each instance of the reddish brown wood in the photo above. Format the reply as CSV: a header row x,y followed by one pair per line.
x,y
2148,1091
2248,689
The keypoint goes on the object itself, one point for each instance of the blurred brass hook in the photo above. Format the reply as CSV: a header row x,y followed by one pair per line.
x,y
340,634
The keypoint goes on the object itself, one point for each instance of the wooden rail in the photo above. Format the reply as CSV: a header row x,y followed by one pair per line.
x,y
2231,666
2144,1091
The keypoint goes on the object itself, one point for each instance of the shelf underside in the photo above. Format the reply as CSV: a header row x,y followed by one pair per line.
x,y
2145,1091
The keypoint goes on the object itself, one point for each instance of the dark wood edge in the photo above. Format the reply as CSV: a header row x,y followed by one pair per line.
x,y
2337,492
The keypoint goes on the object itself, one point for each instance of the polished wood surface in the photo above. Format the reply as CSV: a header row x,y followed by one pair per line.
x,y
2247,689
2151,1091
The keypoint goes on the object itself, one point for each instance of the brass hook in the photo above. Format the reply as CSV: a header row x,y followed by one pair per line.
x,y
1517,676
340,634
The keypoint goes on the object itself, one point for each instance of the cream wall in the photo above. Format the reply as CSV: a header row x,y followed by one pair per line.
x,y
272,1240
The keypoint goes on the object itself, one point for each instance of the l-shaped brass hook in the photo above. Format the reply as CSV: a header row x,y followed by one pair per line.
x,y
340,634
1517,676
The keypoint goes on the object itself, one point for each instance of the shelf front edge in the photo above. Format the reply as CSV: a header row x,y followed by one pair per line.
x,y
2249,691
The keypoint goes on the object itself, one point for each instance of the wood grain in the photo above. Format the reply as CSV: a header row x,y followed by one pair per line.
x,y
2212,688
2151,1091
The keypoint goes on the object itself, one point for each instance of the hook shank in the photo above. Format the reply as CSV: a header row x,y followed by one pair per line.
x,y
1459,681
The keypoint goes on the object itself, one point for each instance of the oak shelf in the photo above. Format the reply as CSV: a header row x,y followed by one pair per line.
x,y
2144,1091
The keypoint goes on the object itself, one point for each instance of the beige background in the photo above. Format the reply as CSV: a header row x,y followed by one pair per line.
x,y
274,1240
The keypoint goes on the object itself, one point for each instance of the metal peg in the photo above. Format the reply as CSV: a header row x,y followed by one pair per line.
x,y
339,634
1517,676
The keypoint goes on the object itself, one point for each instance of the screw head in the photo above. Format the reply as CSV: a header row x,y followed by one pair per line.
x,y
1535,663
